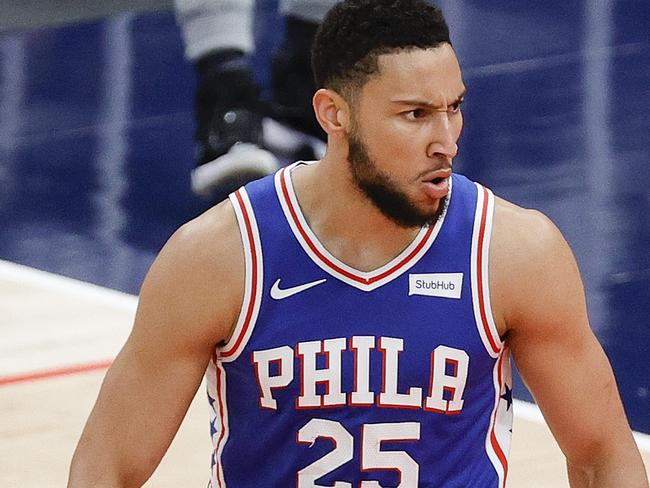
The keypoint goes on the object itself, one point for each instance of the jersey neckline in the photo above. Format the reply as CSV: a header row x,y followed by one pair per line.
x,y
363,280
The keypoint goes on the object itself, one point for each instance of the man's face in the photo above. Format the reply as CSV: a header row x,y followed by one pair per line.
x,y
405,125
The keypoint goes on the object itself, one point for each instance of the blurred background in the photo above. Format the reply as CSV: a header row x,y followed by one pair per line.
x,y
97,125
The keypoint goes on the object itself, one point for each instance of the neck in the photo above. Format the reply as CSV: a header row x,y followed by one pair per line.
x,y
345,221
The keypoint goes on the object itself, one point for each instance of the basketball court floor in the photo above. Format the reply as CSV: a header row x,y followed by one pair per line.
x,y
95,154
59,336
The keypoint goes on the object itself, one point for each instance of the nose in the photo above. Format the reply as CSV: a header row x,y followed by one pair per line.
x,y
444,137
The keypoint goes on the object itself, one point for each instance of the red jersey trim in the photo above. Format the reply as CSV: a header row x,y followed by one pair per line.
x,y
365,281
253,280
479,269
216,385
494,442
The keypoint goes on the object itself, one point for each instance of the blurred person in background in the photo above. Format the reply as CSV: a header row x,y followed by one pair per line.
x,y
219,40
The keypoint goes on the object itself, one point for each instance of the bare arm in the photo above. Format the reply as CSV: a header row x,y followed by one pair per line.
x,y
540,305
188,303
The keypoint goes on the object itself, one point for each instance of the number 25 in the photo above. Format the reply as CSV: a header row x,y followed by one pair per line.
x,y
372,457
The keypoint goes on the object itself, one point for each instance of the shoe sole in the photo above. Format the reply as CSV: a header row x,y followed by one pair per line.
x,y
284,139
241,159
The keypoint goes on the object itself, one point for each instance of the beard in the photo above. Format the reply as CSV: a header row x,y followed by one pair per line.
x,y
382,191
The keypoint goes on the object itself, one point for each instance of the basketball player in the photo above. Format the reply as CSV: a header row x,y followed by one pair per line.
x,y
356,315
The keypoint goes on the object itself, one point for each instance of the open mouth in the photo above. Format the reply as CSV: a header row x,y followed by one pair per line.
x,y
437,187
437,177
438,181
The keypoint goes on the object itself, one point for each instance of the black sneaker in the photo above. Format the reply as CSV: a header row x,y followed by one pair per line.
x,y
229,130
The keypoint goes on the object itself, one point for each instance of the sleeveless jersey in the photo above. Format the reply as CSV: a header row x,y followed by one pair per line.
x,y
336,377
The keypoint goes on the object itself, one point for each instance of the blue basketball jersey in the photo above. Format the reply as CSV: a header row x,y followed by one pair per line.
x,y
336,377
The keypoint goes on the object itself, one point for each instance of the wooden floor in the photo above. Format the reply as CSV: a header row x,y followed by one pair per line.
x,y
51,325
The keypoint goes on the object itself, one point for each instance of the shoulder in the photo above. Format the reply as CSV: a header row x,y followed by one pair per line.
x,y
532,267
207,238
522,230
198,276
525,239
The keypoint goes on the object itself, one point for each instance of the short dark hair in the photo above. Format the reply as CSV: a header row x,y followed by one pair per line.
x,y
355,33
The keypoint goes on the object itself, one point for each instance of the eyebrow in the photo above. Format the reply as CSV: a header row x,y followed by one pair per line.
x,y
424,103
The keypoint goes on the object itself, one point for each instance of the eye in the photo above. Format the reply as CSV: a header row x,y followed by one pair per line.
x,y
415,114
455,108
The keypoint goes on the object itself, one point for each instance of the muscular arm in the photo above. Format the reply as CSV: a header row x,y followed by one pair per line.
x,y
188,303
539,303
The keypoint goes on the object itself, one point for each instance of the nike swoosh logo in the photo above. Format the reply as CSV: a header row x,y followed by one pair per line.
x,y
278,293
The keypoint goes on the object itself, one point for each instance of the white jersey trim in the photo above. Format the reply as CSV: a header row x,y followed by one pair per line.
x,y
254,278
363,280
481,235
216,386
499,434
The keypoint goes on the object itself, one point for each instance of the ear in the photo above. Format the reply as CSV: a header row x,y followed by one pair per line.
x,y
332,111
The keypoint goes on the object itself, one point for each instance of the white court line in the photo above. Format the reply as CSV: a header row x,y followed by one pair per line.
x,y
50,324
58,283
552,61
123,301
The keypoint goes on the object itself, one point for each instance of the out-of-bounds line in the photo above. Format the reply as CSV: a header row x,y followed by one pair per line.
x,y
532,413
63,284
53,373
